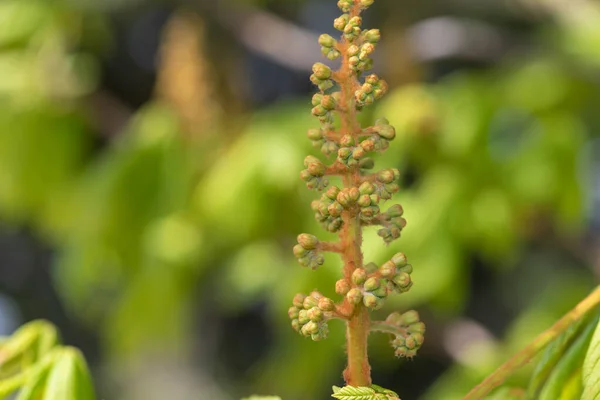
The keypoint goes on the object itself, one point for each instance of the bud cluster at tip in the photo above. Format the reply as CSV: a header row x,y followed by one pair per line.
x,y
314,174
371,285
309,315
410,337
392,223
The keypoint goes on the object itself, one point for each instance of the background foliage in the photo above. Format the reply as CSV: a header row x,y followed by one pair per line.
x,y
149,191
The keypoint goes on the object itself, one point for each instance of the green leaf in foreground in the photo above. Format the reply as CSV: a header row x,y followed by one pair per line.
x,y
568,364
69,378
363,393
591,369
552,355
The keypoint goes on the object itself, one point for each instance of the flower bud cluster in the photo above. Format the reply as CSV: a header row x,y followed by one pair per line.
x,y
380,136
319,139
368,201
373,89
371,285
386,184
392,223
350,26
349,154
328,209
314,174
307,253
309,315
407,343
328,47
323,105
321,76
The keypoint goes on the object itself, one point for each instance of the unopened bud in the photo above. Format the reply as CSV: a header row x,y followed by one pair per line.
x,y
359,276
410,317
354,296
321,71
308,241
315,314
342,287
315,134
366,163
303,317
299,300
341,22
371,301
309,303
327,40
293,312
387,270
395,211
373,36
385,176
399,259
371,284
326,304
364,200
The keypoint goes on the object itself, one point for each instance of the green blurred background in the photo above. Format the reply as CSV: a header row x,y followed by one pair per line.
x,y
149,189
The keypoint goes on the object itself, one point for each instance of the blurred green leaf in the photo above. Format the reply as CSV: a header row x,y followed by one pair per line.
x,y
590,371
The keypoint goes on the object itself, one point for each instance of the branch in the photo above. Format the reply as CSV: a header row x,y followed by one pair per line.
x,y
539,343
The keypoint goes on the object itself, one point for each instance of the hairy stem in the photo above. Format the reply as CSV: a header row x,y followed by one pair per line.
x,y
358,372
539,343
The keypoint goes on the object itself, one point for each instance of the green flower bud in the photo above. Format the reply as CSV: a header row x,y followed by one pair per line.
x,y
347,141
327,41
366,163
319,111
358,153
367,145
387,132
328,102
354,296
372,79
333,54
296,325
353,61
316,294
380,292
366,188
317,169
310,302
342,287
344,198
408,269
392,187
356,21
359,276
303,317
387,270
305,175
371,301
308,241
418,338
315,314
345,5
324,85
329,148
353,50
298,301
310,328
371,284
373,36
321,71
402,280
335,209
375,198
410,343
315,134
416,328
385,176
382,121
366,3
354,194
300,251
394,318
316,99
364,200
344,153
371,267
399,259
326,304
335,225
341,22
409,318
395,211
293,312
366,49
